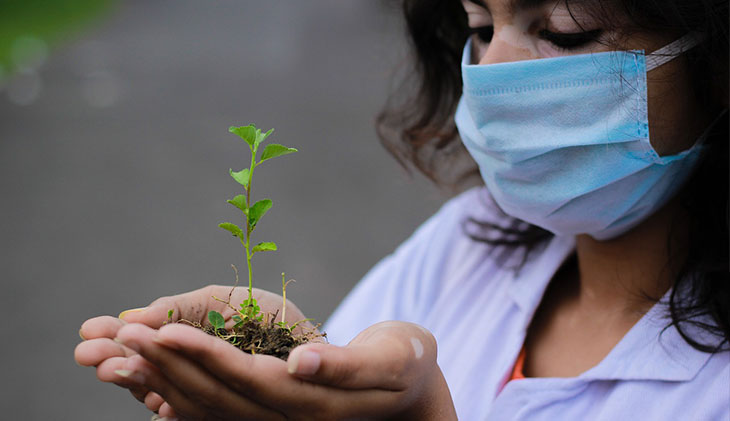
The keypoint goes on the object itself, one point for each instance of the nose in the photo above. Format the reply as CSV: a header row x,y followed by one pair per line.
x,y
506,46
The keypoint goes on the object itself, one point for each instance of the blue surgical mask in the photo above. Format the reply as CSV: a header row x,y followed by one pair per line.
x,y
563,143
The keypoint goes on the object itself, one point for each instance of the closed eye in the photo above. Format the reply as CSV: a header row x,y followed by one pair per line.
x,y
484,33
570,41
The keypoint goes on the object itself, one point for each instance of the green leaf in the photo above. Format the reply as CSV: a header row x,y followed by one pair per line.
x,y
250,309
257,211
247,133
233,229
239,202
239,321
216,320
246,302
273,150
170,313
267,246
260,137
241,176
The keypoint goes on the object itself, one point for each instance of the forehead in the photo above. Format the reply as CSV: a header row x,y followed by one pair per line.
x,y
513,4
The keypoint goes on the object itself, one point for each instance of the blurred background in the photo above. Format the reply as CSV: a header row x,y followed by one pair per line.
x,y
114,158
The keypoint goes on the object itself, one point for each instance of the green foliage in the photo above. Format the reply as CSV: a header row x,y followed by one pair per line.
x,y
216,320
274,150
233,229
257,211
170,312
267,246
239,202
247,133
260,137
45,23
253,137
250,310
242,177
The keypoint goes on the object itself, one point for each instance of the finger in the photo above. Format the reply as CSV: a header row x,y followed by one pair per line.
x,y
201,388
265,379
223,360
139,371
139,392
93,351
192,306
107,371
387,356
101,327
195,305
153,401
166,411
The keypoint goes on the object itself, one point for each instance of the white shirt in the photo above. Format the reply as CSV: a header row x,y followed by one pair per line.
x,y
469,295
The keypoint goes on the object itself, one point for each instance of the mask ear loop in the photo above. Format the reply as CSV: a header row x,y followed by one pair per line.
x,y
670,51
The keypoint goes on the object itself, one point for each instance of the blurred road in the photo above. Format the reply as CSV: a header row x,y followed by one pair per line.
x,y
114,174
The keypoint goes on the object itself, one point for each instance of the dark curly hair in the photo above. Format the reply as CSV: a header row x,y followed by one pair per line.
x,y
419,130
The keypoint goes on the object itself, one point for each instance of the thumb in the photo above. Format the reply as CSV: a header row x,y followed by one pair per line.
x,y
154,315
388,355
191,305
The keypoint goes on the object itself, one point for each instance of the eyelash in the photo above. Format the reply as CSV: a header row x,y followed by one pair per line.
x,y
484,33
563,41
571,41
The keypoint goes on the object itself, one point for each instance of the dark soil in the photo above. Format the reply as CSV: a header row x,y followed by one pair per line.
x,y
260,337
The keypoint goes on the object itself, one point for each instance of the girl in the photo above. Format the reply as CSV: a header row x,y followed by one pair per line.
x,y
587,280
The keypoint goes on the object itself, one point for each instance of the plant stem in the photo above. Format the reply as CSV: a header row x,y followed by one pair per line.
x,y
249,310
283,295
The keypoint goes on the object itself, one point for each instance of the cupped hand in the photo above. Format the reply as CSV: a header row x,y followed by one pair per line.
x,y
388,371
100,350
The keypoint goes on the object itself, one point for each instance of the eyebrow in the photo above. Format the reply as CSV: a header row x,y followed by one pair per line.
x,y
514,4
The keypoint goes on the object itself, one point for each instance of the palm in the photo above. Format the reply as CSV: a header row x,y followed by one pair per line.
x,y
100,350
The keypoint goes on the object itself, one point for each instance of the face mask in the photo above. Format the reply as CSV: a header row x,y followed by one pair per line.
x,y
563,143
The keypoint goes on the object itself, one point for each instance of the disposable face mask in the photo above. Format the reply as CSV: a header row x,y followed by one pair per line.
x,y
563,143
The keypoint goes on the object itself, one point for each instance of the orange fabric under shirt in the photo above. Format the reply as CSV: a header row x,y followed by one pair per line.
x,y
517,370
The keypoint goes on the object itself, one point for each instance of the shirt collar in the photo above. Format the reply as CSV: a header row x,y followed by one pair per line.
x,y
648,351
652,351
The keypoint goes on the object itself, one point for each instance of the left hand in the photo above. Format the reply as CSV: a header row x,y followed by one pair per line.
x,y
388,371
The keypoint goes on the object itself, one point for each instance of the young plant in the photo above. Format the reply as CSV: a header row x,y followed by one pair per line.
x,y
252,213
254,331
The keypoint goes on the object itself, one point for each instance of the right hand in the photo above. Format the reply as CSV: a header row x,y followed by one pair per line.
x,y
101,351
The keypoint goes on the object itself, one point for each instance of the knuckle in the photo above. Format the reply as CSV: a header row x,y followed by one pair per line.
x,y
340,372
208,396
399,367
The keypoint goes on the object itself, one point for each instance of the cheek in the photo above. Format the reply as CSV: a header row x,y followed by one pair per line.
x,y
676,119
547,50
478,50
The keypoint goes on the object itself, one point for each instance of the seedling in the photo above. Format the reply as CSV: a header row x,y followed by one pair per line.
x,y
253,328
252,213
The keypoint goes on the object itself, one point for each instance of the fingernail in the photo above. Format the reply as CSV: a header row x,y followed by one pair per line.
x,y
159,418
81,335
133,310
304,363
131,375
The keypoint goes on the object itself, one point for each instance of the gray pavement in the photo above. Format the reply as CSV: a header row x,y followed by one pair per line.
x,y
114,174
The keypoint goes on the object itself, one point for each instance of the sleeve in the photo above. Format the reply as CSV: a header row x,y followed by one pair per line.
x,y
404,284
